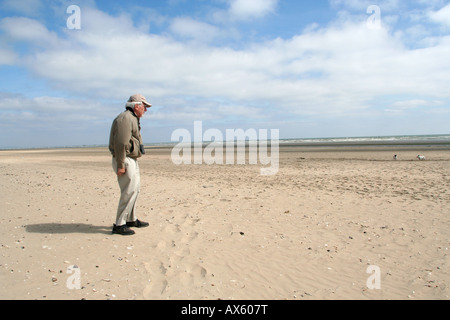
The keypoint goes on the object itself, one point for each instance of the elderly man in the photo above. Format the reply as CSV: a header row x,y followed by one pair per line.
x,y
126,146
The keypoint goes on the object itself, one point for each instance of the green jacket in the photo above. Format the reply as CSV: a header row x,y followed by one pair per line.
x,y
125,138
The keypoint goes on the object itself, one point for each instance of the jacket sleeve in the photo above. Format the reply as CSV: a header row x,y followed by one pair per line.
x,y
121,141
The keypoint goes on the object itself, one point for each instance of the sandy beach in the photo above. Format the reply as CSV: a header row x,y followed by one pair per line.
x,y
225,231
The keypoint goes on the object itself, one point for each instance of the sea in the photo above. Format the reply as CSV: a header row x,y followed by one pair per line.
x,y
441,140
431,140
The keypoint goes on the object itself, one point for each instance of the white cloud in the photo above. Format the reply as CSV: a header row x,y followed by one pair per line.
x,y
189,28
65,108
8,57
28,30
245,9
52,121
400,107
328,70
441,16
409,104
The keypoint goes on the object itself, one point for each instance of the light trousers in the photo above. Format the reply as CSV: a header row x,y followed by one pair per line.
x,y
129,184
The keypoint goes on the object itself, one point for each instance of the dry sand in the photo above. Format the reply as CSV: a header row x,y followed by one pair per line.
x,y
225,231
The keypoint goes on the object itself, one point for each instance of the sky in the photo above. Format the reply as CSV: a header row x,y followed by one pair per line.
x,y
312,69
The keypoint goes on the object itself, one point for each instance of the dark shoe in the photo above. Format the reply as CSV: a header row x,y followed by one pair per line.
x,y
138,224
123,230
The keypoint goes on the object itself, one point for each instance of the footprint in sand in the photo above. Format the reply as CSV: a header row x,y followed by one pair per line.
x,y
158,282
174,268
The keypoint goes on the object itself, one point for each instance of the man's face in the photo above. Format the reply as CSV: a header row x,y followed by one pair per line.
x,y
139,110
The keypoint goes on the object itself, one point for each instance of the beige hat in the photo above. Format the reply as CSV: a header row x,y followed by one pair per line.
x,y
139,98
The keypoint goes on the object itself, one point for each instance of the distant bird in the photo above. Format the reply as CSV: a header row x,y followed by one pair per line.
x,y
420,157
394,157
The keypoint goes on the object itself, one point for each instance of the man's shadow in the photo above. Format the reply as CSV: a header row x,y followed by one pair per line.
x,y
61,228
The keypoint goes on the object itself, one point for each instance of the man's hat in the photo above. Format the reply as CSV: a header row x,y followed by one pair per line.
x,y
139,98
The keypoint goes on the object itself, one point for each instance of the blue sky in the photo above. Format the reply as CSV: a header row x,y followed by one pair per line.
x,y
309,68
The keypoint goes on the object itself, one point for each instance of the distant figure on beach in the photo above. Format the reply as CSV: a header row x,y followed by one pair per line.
x,y
394,157
420,157
126,146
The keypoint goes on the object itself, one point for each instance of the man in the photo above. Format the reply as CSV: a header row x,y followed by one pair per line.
x,y
126,146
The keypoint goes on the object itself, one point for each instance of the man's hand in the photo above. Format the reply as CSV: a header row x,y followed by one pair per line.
x,y
121,172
